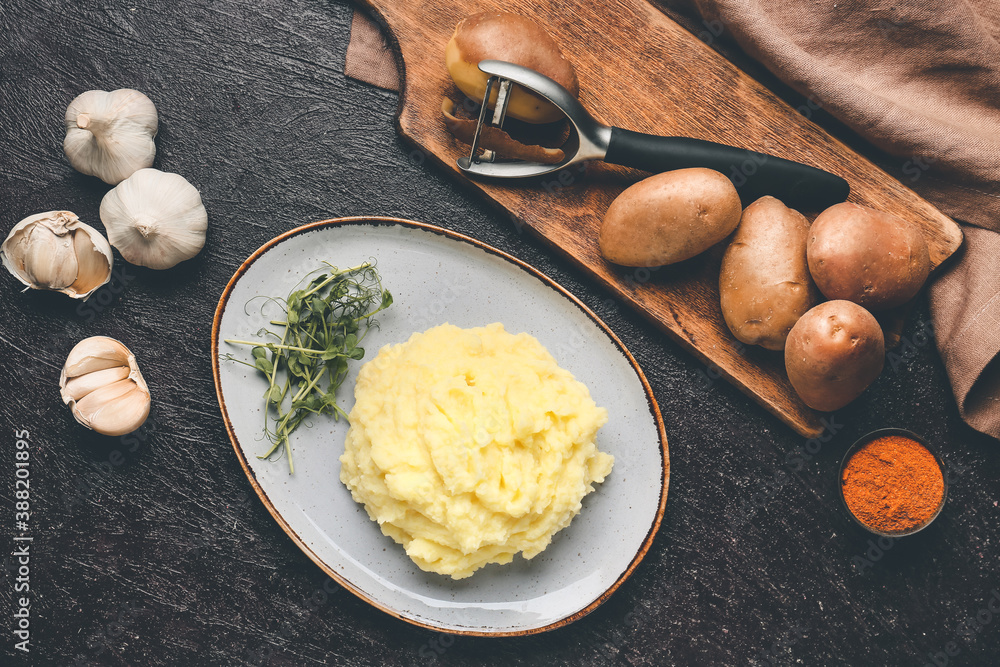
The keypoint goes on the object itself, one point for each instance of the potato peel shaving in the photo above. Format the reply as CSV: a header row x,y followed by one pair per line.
x,y
495,139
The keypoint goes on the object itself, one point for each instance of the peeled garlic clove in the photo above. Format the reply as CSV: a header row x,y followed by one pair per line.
x,y
49,257
114,409
93,267
155,219
55,251
110,135
100,352
123,415
102,385
83,385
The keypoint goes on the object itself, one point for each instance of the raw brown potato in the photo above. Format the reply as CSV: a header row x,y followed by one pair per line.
x,y
764,283
669,217
513,39
833,353
872,258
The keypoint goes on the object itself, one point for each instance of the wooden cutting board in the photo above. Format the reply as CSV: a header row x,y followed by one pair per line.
x,y
640,70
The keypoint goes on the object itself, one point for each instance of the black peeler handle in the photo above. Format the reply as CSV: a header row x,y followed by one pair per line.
x,y
797,185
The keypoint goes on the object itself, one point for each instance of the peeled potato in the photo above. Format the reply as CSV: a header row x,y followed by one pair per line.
x,y
833,353
764,281
669,217
872,258
513,39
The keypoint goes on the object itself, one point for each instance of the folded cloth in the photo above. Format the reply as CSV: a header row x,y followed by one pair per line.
x,y
369,56
921,81
965,308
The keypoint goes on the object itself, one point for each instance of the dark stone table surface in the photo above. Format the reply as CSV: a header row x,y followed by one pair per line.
x,y
152,549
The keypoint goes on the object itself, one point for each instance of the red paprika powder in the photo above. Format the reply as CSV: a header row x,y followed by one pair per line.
x,y
893,484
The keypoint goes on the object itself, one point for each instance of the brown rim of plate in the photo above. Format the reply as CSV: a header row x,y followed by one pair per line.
x,y
380,220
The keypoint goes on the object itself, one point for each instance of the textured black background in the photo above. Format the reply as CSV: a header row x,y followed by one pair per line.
x,y
166,559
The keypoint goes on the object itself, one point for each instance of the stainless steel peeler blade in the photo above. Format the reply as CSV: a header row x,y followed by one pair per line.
x,y
754,174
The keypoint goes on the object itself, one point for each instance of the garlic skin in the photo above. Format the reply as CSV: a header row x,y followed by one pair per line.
x,y
110,135
155,219
102,385
55,251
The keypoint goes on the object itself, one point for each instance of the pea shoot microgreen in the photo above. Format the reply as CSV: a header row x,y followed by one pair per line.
x,y
324,326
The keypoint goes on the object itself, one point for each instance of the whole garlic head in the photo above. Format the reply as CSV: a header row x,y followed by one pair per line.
x,y
102,385
55,251
155,219
110,135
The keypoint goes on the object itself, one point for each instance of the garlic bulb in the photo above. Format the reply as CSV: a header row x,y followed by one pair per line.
x,y
102,385
155,219
55,251
110,135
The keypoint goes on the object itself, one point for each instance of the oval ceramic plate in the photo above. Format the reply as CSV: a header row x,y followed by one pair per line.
x,y
439,276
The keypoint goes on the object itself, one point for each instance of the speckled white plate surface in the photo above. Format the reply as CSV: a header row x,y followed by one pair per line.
x,y
438,276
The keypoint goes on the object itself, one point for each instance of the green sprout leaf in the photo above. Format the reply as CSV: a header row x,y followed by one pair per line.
x,y
273,394
324,325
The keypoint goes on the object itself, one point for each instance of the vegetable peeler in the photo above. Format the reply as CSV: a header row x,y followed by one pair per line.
x,y
754,174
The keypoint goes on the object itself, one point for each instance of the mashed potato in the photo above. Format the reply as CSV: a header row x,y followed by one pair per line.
x,y
468,446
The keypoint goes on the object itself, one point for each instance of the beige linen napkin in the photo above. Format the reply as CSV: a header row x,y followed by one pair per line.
x,y
921,81
369,57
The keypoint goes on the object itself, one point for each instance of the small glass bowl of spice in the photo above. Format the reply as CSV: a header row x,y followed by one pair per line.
x,y
892,483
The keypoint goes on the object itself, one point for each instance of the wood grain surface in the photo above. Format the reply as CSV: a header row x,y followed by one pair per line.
x,y
640,70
